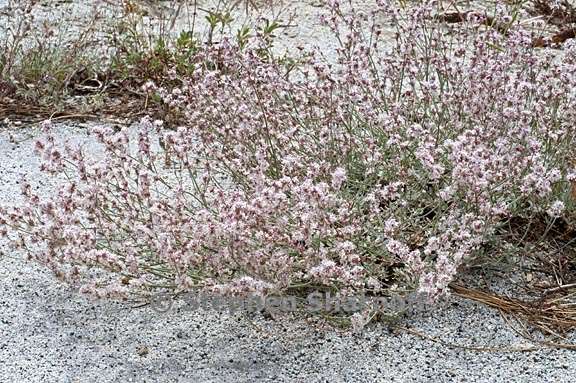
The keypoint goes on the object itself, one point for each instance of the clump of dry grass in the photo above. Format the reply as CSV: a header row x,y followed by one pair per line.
x,y
545,298
47,72
553,314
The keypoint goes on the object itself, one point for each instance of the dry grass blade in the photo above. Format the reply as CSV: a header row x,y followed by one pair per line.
x,y
130,109
551,315
464,347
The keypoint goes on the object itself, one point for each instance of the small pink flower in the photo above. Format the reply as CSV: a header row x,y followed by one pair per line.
x,y
556,209
338,178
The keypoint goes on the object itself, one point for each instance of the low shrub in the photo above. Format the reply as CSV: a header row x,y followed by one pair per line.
x,y
393,167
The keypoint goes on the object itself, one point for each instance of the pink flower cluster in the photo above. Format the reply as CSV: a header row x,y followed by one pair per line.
x,y
391,166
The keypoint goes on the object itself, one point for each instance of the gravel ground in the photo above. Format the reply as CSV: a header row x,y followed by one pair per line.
x,y
50,334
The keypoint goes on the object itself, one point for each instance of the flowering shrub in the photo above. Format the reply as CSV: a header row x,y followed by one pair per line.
x,y
389,167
